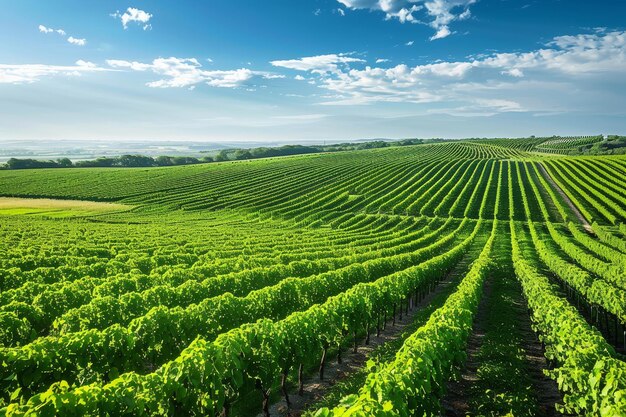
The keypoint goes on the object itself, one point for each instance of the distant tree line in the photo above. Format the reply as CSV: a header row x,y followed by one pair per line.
x,y
118,161
128,161
287,150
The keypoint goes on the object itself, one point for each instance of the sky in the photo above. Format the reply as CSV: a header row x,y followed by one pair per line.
x,y
233,70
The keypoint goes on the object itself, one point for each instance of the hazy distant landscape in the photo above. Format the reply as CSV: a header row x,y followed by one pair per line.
x,y
77,150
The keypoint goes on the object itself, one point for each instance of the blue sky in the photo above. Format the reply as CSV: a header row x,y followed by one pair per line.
x,y
319,69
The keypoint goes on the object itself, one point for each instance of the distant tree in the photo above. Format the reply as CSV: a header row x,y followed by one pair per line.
x,y
98,162
242,154
221,156
184,160
64,163
135,161
15,163
163,161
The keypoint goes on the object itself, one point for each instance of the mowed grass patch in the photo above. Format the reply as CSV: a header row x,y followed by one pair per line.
x,y
10,206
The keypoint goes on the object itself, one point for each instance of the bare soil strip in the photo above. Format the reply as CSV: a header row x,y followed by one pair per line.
x,y
545,388
456,401
567,200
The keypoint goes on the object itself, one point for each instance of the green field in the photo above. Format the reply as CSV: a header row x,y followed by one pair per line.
x,y
10,206
213,289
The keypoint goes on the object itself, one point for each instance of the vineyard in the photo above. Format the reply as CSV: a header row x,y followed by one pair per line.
x,y
567,145
248,287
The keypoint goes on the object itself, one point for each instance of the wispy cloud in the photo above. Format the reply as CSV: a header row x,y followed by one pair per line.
x,y
501,82
480,108
319,64
44,29
30,73
302,117
185,72
76,41
71,39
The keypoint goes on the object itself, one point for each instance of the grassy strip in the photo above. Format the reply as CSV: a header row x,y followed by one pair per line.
x,y
503,384
56,208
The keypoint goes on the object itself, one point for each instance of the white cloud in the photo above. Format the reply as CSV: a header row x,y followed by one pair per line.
x,y
381,60
396,84
30,73
185,72
76,41
71,39
480,108
443,13
394,9
409,43
514,72
579,54
299,77
499,104
133,15
85,64
44,29
341,12
134,65
442,32
319,64
405,15
272,76
439,13
465,15
486,85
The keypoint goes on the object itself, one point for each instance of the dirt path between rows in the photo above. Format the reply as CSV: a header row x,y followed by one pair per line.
x,y
456,401
566,198
545,388
314,389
